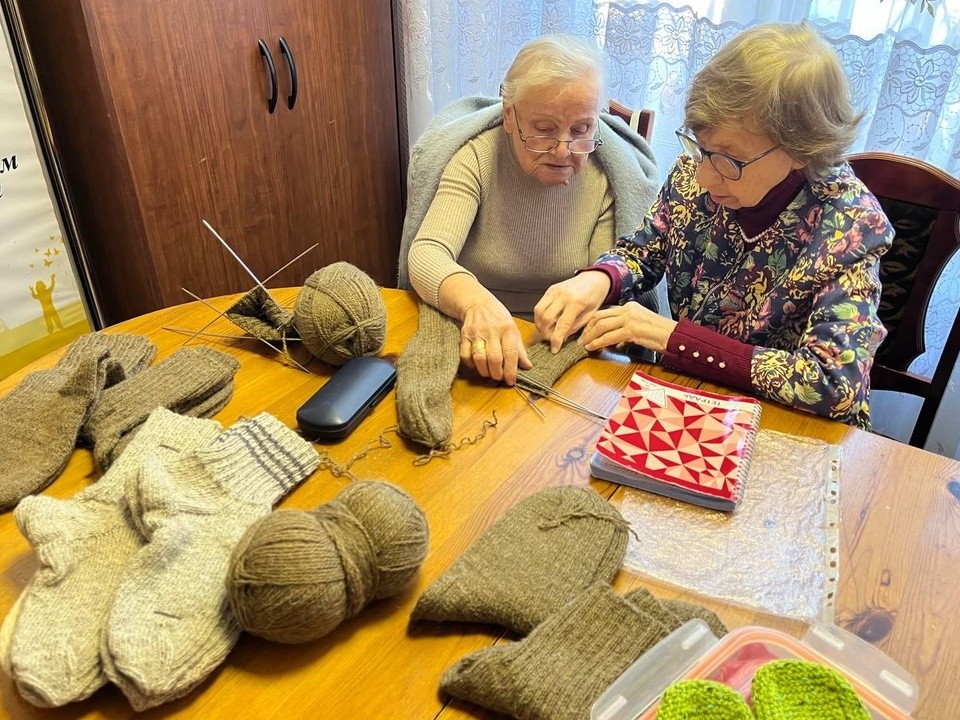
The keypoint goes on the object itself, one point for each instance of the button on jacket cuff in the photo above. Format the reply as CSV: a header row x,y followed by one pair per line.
x,y
614,282
706,353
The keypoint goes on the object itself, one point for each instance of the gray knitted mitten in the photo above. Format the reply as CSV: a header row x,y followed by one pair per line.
x,y
41,417
560,669
547,367
425,374
195,381
540,555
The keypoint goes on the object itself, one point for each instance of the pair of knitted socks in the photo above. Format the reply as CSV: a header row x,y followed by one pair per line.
x,y
131,583
543,570
100,391
782,690
429,364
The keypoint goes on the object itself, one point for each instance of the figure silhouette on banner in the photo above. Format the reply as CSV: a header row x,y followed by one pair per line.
x,y
44,295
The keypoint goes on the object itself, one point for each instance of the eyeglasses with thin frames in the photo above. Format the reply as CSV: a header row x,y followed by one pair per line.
x,y
542,144
728,167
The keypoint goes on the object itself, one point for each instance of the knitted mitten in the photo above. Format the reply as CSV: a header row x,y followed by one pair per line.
x,y
800,690
425,373
547,367
170,624
541,554
51,639
261,316
684,611
694,699
194,381
560,669
41,417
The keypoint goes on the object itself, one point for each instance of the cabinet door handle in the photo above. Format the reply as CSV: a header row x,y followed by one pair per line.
x,y
292,64
272,69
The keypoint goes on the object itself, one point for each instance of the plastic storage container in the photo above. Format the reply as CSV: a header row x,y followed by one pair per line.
x,y
692,651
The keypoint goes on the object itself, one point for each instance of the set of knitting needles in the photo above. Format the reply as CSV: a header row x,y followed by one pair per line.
x,y
532,386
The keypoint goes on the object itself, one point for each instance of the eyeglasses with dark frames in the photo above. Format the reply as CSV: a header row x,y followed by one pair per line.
x,y
542,144
728,167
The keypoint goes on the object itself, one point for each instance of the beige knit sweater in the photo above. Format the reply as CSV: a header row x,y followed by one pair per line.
x,y
516,235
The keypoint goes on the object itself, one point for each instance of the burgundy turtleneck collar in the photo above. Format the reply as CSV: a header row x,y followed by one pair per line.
x,y
754,220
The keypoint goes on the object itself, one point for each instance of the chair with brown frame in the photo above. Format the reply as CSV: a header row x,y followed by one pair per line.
x,y
923,203
640,120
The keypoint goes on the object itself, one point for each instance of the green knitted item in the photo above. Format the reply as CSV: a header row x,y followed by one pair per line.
x,y
800,690
261,316
547,367
540,555
41,417
425,374
560,669
702,700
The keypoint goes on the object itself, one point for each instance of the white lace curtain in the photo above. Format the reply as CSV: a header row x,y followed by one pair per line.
x,y
903,63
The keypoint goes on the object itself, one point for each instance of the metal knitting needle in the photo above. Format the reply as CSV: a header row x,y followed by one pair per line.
x,y
546,391
235,256
221,314
193,333
530,401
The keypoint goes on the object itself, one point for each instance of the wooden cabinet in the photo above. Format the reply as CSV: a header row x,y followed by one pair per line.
x,y
159,116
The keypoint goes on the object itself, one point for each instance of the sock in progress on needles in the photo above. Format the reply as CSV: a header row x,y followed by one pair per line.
x,y
547,367
545,551
425,374
51,638
170,624
41,417
195,381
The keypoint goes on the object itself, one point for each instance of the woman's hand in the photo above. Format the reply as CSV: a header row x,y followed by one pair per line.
x,y
490,342
629,323
566,306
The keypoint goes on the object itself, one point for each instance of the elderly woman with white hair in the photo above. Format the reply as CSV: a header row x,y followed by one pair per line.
x,y
769,242
508,198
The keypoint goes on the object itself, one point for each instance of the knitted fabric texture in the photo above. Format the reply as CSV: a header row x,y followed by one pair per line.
x,y
52,636
547,367
425,374
195,381
41,417
169,625
295,575
800,690
340,314
261,316
560,669
696,699
540,555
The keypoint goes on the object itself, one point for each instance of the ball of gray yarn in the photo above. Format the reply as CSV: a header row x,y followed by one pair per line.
x,y
340,314
295,575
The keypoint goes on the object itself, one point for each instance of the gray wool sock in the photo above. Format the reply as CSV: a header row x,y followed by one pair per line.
x,y
560,669
195,381
169,625
41,417
540,555
261,316
50,642
425,374
547,367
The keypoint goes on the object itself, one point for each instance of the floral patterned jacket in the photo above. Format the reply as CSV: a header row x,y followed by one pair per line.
x,y
803,293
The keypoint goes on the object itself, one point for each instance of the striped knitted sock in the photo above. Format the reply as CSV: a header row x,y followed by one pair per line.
x,y
50,642
41,417
170,623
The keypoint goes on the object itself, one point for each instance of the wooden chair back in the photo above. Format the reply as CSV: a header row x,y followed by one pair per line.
x,y
640,120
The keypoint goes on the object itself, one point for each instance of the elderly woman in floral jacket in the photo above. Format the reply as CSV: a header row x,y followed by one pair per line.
x,y
769,242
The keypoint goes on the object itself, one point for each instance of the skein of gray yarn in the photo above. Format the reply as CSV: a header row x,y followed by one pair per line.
x,y
340,314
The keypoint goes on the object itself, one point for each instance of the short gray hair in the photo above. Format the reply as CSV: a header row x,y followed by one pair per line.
x,y
785,81
549,60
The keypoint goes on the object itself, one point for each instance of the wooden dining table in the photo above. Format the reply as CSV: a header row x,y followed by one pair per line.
x,y
899,585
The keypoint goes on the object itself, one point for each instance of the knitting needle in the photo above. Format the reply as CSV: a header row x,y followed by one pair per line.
x,y
539,388
221,314
200,331
530,401
193,333
235,256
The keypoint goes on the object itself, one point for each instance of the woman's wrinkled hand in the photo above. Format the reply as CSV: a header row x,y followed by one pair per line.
x,y
567,306
628,323
490,342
